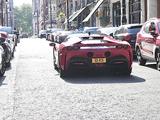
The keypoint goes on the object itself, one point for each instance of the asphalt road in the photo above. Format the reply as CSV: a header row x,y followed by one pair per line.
x,y
32,90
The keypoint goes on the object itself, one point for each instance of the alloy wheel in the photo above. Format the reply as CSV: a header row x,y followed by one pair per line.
x,y
141,61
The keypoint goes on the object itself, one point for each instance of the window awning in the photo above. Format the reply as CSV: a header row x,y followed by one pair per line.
x,y
93,10
77,13
70,17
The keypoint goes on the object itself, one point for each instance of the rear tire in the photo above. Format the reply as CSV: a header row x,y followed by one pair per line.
x,y
158,61
141,61
3,69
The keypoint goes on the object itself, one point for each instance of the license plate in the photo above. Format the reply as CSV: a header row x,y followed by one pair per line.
x,y
98,60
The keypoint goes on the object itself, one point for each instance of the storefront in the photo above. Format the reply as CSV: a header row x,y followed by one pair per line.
x,y
116,13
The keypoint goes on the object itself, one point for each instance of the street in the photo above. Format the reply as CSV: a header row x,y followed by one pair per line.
x,y
32,90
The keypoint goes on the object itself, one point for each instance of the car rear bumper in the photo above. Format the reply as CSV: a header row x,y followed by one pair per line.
x,y
117,63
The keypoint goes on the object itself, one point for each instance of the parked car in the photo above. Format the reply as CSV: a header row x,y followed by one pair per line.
x,y
148,42
91,51
51,35
24,35
5,43
42,34
11,34
48,32
107,30
2,58
60,36
128,33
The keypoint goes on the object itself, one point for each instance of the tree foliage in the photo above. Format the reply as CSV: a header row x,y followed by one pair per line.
x,y
23,18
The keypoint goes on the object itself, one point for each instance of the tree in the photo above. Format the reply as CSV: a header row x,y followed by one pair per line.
x,y
23,18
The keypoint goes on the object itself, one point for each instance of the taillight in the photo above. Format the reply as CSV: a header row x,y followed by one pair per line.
x,y
73,48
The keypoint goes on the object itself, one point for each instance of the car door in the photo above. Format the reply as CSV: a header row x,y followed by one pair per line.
x,y
147,42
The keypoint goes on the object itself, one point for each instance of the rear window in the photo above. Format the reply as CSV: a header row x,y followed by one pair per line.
x,y
134,29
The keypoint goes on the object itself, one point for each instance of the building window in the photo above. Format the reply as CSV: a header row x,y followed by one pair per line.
x,y
116,14
124,19
134,11
105,14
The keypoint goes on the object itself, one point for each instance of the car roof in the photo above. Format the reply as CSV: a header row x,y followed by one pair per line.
x,y
107,30
131,25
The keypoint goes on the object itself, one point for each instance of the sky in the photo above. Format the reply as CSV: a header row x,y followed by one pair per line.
x,y
20,2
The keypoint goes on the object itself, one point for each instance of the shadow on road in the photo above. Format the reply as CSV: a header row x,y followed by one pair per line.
x,y
1,80
151,65
94,78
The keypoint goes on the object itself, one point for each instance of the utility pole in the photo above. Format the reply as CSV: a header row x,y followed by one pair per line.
x,y
67,13
1,12
6,13
51,13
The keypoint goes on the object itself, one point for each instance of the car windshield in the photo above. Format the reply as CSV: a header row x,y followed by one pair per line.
x,y
134,30
6,29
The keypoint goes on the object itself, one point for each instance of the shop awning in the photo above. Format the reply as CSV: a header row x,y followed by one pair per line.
x,y
70,17
77,13
93,10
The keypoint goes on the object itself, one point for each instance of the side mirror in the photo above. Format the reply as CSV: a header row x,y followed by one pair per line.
x,y
111,34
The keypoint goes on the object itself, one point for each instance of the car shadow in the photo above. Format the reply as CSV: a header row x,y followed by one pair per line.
x,y
151,65
102,78
2,80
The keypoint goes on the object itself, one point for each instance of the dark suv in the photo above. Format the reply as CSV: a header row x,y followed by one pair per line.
x,y
148,42
128,33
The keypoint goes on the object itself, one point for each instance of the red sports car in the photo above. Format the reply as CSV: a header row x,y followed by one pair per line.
x,y
83,51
